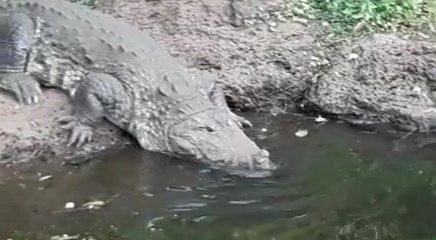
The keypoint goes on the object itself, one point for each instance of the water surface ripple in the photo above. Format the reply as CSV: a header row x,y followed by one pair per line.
x,y
335,183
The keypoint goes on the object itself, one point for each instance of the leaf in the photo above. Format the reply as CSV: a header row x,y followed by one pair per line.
x,y
64,237
320,119
301,133
69,205
94,204
46,177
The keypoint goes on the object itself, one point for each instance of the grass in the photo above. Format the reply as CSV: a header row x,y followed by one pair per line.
x,y
346,17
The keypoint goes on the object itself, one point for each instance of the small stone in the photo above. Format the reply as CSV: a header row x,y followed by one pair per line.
x,y
417,89
33,123
300,20
353,56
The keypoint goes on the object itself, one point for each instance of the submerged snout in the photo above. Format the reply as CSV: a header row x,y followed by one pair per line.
x,y
212,138
262,161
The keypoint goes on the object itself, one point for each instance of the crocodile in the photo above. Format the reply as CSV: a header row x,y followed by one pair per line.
x,y
112,70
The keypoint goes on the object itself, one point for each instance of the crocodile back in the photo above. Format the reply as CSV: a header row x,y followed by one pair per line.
x,y
93,41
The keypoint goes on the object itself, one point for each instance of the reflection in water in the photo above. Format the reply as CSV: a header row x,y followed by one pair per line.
x,y
336,183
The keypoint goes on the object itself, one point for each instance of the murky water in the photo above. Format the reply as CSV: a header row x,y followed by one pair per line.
x,y
335,183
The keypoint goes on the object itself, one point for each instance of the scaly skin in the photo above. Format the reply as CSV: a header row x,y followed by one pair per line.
x,y
114,71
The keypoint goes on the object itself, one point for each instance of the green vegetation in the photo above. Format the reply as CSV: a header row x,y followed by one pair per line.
x,y
351,16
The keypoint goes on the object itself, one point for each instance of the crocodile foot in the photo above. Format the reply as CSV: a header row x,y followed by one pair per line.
x,y
242,122
25,88
80,133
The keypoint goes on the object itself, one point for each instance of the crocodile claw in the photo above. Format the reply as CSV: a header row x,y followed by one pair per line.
x,y
26,89
80,133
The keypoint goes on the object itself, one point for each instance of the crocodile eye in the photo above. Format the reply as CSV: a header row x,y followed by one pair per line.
x,y
208,129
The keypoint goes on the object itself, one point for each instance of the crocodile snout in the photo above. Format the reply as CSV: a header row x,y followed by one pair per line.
x,y
262,161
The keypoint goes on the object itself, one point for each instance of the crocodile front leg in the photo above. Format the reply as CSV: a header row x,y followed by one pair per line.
x,y
24,87
98,96
216,95
16,32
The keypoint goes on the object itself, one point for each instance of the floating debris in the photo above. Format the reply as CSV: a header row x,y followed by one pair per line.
x,y
64,237
86,206
151,224
147,194
94,204
46,177
179,189
199,219
243,202
207,196
69,205
320,119
301,133
206,170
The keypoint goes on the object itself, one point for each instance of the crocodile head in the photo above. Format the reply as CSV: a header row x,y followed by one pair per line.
x,y
212,137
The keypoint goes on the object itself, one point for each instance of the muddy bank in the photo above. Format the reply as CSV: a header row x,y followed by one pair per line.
x,y
34,132
265,62
254,53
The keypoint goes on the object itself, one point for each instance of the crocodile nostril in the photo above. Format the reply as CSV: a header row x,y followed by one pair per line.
x,y
262,160
261,157
263,153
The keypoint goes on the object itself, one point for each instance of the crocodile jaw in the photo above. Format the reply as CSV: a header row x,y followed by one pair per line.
x,y
213,138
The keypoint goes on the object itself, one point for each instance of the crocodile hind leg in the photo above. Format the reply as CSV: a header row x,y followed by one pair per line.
x,y
97,95
216,95
16,32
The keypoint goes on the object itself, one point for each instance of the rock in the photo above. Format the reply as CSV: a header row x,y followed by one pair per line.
x,y
389,80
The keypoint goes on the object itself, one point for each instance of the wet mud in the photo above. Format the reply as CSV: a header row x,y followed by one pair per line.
x,y
33,133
